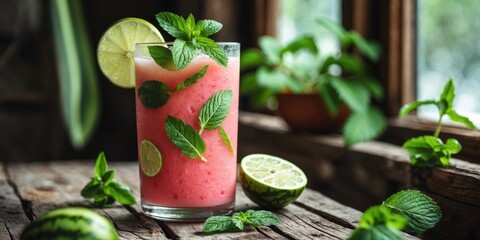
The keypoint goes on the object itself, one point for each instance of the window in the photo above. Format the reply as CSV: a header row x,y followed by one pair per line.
x,y
447,47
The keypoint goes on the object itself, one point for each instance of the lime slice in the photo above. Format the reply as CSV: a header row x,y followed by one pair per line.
x,y
270,181
150,158
115,49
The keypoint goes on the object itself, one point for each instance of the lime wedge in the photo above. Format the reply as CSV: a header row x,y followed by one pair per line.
x,y
115,48
270,181
150,158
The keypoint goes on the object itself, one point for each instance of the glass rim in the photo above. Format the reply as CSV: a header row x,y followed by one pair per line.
x,y
171,43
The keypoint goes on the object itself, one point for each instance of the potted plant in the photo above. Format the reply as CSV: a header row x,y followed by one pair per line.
x,y
339,83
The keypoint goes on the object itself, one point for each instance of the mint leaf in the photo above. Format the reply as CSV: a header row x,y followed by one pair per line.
x,y
153,94
447,96
193,79
461,119
407,108
162,56
329,96
185,138
217,224
352,93
183,53
238,221
100,165
261,218
92,189
120,192
190,25
209,27
212,49
378,222
361,126
215,110
226,139
453,146
108,176
307,42
250,58
272,49
103,201
429,151
173,24
420,210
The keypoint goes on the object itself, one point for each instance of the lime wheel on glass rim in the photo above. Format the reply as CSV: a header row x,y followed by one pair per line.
x,y
270,181
115,49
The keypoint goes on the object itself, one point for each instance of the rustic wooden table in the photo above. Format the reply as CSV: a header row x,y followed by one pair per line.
x,y
28,190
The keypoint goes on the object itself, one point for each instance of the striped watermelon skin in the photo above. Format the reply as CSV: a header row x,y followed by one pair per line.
x,y
70,223
267,197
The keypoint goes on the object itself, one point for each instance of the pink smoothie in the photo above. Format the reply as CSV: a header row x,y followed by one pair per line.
x,y
183,181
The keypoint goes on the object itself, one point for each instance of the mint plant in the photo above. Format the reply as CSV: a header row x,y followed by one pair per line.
x,y
429,150
339,79
238,220
103,189
409,210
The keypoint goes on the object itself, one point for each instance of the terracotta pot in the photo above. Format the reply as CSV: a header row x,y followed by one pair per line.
x,y
307,112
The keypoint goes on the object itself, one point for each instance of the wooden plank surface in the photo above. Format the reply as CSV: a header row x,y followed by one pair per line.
x,y
50,185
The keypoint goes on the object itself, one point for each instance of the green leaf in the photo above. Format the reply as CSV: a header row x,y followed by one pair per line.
x,y
306,42
210,27
153,94
103,201
78,77
250,58
448,95
330,97
108,177
271,48
248,84
226,139
350,64
382,215
185,138
216,224
375,88
276,80
101,165
353,93
407,108
261,218
333,27
162,56
183,53
215,110
92,189
426,151
363,126
212,49
173,24
238,220
420,210
193,79
379,232
453,146
461,119
120,192
370,49
190,24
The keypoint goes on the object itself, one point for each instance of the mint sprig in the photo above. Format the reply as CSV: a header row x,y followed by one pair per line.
x,y
430,151
103,189
409,210
420,210
185,138
155,94
215,110
239,220
190,37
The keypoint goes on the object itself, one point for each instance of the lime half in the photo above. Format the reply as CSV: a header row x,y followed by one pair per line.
x,y
270,181
115,48
150,158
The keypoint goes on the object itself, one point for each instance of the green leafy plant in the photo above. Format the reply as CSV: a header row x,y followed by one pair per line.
x,y
408,210
238,220
339,79
103,189
430,151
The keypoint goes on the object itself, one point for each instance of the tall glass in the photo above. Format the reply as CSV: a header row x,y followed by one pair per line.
x,y
186,188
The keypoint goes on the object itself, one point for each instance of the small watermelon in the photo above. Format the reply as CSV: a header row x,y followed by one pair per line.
x,y
70,223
